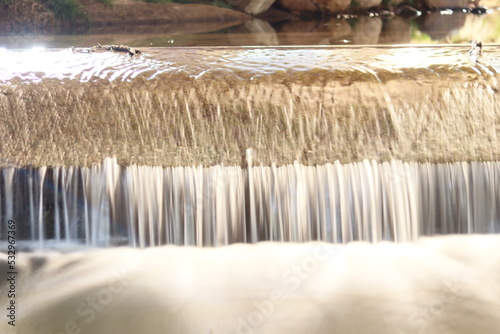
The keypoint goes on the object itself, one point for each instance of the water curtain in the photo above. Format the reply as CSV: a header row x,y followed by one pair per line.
x,y
110,205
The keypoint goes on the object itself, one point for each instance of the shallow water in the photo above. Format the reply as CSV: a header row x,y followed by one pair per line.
x,y
24,66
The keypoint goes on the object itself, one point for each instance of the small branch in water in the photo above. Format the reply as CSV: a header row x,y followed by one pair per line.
x,y
475,51
111,48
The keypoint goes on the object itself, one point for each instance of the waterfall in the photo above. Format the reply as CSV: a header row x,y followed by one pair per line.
x,y
109,205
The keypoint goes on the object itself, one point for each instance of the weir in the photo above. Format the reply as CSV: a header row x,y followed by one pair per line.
x,y
139,206
339,113
339,145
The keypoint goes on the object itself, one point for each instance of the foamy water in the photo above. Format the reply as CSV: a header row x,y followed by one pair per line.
x,y
441,285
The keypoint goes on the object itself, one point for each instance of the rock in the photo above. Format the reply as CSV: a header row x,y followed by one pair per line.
x,y
367,30
407,11
447,3
26,16
252,7
365,4
140,12
314,32
339,29
439,27
318,5
300,32
337,5
298,5
490,3
274,15
254,32
396,30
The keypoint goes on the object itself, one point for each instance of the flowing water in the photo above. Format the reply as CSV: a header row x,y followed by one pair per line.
x,y
246,63
139,206
108,204
231,146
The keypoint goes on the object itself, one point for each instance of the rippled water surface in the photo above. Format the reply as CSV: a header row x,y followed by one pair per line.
x,y
22,66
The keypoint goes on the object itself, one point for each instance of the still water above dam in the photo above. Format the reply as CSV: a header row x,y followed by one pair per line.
x,y
24,66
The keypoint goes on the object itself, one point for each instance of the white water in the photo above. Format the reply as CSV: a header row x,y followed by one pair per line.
x,y
141,206
442,285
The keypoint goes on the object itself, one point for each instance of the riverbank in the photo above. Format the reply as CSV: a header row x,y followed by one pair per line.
x,y
35,16
32,16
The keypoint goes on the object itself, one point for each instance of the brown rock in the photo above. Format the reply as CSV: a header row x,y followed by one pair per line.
x,y
439,27
447,3
339,29
298,5
396,30
300,32
273,15
338,5
252,7
314,32
140,12
367,30
364,4
26,16
254,32
489,3
315,6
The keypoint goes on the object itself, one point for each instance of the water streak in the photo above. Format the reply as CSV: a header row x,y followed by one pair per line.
x,y
148,206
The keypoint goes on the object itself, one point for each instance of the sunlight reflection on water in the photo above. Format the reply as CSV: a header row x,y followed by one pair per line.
x,y
37,64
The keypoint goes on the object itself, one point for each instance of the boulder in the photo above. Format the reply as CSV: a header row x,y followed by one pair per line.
x,y
315,6
447,3
364,4
367,30
440,27
254,32
141,12
26,16
337,5
252,7
298,5
339,30
301,32
396,30
490,3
